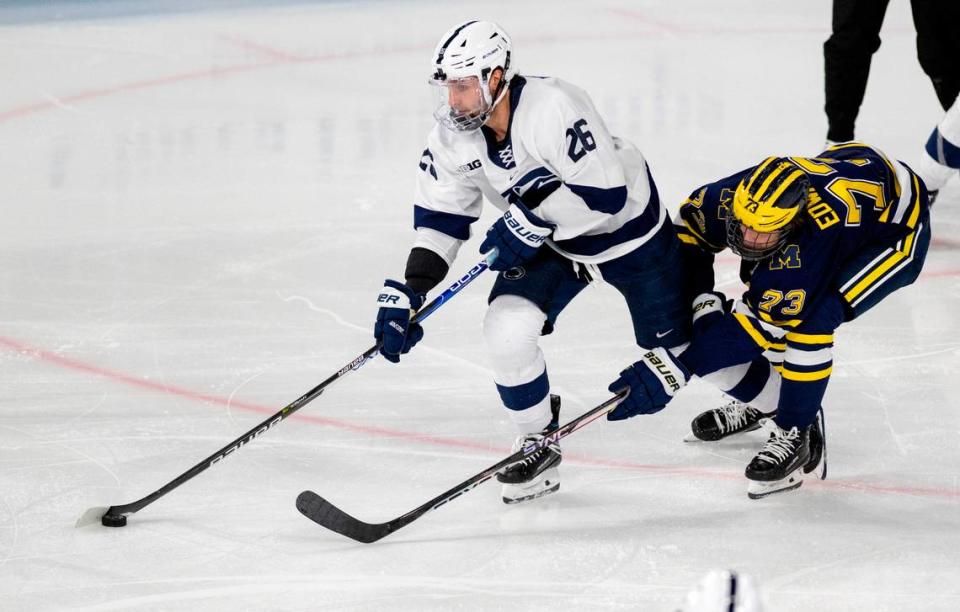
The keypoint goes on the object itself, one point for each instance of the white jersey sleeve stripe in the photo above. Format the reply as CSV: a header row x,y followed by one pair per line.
x,y
453,225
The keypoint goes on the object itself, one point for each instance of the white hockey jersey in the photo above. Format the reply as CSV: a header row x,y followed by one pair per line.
x,y
558,159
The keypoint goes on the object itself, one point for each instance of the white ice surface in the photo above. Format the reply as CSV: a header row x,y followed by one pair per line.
x,y
198,210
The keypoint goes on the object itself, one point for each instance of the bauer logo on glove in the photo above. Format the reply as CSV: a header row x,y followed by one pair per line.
x,y
517,236
653,381
663,371
709,304
394,330
521,232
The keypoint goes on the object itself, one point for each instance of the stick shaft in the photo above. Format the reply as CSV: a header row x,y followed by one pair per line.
x,y
275,419
322,512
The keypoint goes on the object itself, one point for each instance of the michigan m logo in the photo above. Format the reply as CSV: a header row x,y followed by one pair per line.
x,y
788,256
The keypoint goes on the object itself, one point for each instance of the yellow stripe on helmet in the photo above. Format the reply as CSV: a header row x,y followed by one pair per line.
x,y
760,195
757,208
757,173
786,183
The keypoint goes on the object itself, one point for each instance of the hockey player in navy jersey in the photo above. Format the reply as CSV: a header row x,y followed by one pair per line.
x,y
822,240
579,205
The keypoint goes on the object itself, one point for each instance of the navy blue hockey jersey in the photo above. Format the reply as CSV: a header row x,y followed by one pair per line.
x,y
860,227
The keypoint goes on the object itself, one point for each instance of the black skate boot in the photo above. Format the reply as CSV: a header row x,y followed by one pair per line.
x,y
727,420
780,464
536,474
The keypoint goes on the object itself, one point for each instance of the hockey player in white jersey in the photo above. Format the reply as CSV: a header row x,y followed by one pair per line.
x,y
579,206
940,159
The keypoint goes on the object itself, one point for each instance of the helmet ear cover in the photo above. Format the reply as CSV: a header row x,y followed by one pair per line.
x,y
485,75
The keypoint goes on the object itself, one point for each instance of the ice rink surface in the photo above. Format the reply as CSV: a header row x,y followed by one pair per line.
x,y
198,210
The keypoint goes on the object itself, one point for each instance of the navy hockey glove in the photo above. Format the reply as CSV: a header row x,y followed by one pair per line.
x,y
708,308
397,302
653,382
516,235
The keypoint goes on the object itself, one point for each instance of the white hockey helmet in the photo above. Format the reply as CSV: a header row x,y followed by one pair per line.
x,y
463,62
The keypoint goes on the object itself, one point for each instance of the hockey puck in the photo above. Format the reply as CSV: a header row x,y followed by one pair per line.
x,y
113,520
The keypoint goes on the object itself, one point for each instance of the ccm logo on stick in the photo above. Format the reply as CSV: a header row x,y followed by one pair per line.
x,y
247,439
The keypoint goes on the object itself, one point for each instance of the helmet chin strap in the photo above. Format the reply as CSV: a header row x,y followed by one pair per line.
x,y
490,101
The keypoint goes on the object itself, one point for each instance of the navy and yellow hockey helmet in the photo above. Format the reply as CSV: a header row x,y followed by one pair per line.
x,y
767,201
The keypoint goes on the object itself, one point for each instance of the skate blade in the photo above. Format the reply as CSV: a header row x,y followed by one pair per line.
x,y
546,483
818,471
759,490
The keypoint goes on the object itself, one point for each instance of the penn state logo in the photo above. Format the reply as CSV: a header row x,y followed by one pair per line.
x,y
514,273
506,157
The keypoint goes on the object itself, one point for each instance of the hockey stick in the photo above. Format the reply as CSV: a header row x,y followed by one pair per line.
x,y
322,512
115,516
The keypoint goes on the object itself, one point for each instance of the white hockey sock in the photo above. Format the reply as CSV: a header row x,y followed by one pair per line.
x,y
534,419
728,378
511,329
941,154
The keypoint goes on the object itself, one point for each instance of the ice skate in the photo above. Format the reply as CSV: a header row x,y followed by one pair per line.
x,y
781,463
730,419
536,474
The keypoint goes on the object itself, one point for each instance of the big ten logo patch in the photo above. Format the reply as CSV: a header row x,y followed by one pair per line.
x,y
470,167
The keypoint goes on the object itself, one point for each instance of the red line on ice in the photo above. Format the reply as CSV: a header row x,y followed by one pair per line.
x,y
939,274
133,381
944,243
279,58
269,51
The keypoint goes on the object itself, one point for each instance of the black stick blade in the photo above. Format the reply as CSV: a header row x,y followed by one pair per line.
x,y
325,514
